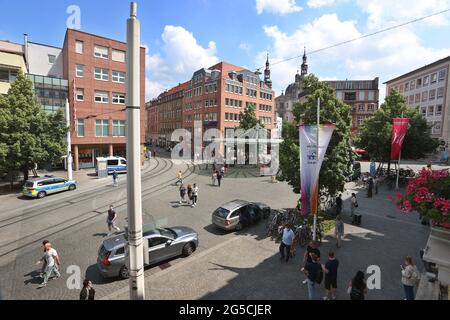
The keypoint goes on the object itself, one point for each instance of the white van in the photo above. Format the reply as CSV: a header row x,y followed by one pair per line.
x,y
117,164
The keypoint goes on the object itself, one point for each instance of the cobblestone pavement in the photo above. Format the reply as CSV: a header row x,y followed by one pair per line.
x,y
243,265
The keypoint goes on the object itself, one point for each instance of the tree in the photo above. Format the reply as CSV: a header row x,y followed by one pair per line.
x,y
376,132
249,119
336,167
28,135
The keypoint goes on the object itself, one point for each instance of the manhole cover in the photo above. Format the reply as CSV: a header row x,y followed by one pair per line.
x,y
164,266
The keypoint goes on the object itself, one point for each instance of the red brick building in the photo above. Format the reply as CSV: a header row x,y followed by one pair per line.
x,y
165,114
96,70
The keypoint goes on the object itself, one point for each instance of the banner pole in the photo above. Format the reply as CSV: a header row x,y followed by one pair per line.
x,y
317,159
398,164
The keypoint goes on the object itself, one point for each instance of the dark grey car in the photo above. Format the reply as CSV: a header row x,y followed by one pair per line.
x,y
237,214
163,244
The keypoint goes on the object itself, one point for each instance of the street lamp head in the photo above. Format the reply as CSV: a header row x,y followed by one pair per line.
x,y
133,9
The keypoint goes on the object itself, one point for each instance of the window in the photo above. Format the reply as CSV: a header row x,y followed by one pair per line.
x,y
118,128
80,127
227,101
80,94
423,111
440,93
425,96
433,78
430,112
118,98
79,46
438,110
401,88
442,75
419,82
362,96
118,55
407,86
79,70
417,100
437,127
361,108
350,96
360,120
412,85
101,128
432,94
51,59
426,80
101,52
411,99
370,107
101,97
118,76
101,74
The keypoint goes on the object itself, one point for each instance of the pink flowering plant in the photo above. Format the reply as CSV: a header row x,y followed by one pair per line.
x,y
429,194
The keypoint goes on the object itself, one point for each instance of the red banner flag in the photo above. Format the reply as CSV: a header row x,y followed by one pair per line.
x,y
399,130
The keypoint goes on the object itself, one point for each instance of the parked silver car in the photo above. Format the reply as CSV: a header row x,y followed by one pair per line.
x,y
163,244
237,214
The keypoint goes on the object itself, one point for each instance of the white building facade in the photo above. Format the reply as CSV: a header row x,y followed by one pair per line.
x,y
427,89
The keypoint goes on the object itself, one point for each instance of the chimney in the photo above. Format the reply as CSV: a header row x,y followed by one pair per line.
x,y
25,49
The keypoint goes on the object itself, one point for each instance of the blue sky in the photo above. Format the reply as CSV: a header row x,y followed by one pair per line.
x,y
183,36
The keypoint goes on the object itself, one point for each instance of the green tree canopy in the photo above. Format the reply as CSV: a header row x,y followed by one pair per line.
x,y
249,119
376,132
336,167
27,134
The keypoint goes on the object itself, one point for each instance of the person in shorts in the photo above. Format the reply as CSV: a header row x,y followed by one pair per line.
x,y
330,268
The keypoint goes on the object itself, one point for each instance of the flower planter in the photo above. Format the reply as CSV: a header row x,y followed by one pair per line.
x,y
438,251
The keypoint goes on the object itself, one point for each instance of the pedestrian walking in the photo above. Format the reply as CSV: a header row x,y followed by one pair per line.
x,y
111,219
370,188
314,274
53,263
213,178
194,195
339,231
88,291
310,250
182,193
410,278
222,171
286,242
339,204
179,177
44,263
219,178
353,205
115,177
357,288
331,269
190,194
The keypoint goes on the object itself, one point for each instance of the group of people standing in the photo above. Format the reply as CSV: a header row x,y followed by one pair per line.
x,y
191,191
218,175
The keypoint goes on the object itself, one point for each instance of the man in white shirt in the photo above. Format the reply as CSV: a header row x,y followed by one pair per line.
x,y
286,242
52,261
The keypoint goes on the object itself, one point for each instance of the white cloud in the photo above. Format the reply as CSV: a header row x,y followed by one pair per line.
x,y
280,7
180,56
384,13
386,55
245,46
320,3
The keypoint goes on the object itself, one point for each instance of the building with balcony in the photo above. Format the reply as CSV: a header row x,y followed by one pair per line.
x,y
12,59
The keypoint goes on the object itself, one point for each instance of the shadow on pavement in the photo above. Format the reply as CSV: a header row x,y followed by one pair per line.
x,y
103,234
215,230
35,278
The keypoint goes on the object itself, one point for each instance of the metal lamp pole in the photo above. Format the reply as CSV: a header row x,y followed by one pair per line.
x,y
317,159
134,201
69,144
398,164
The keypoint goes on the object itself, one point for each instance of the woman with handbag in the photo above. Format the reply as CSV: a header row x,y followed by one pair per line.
x,y
410,278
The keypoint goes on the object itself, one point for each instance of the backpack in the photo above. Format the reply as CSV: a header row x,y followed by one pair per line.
x,y
319,276
356,294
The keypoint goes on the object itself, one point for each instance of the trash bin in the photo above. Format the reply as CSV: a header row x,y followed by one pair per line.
x,y
357,219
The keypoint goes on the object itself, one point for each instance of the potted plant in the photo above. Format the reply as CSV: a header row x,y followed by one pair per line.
x,y
429,194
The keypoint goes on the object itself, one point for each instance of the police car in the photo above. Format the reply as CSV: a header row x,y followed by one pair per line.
x,y
40,187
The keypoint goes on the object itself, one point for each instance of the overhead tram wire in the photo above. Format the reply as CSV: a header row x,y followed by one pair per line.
x,y
365,36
